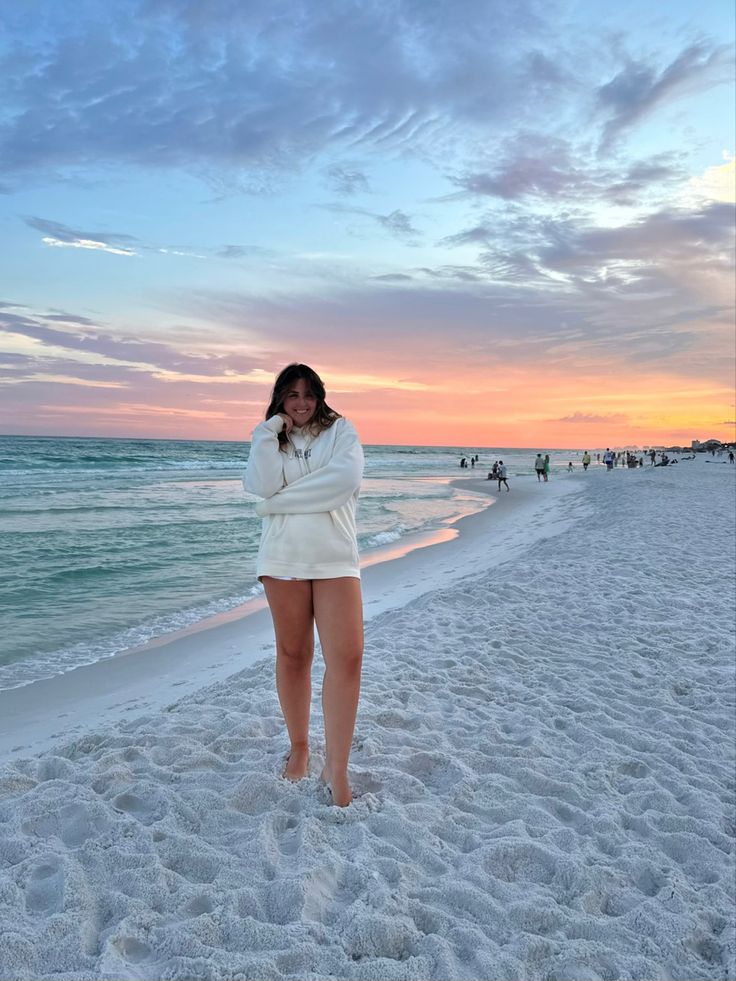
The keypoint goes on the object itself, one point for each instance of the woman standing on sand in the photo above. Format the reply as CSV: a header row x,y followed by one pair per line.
x,y
306,462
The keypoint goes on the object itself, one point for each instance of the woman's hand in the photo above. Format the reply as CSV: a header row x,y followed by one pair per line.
x,y
288,422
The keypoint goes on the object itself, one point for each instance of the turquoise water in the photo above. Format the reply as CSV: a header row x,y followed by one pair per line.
x,y
107,543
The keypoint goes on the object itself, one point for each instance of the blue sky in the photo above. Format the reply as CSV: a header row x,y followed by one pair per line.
x,y
425,200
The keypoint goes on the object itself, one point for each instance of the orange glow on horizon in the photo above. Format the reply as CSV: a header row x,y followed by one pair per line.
x,y
518,407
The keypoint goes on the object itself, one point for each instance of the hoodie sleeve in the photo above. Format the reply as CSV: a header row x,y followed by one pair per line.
x,y
264,472
327,488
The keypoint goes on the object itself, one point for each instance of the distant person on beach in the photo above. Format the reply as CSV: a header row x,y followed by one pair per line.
x,y
652,457
306,463
608,459
472,462
569,467
539,466
586,460
501,472
493,475
463,463
730,456
546,466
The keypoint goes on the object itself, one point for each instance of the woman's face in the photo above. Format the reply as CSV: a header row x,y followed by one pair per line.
x,y
299,402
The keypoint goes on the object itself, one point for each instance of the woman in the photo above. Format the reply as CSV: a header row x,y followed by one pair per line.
x,y
546,467
306,462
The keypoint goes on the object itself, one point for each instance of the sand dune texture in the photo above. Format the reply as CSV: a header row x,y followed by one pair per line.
x,y
543,763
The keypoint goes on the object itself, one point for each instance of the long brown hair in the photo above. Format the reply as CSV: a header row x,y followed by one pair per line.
x,y
323,416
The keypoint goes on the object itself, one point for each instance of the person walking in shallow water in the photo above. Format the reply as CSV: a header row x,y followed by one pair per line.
x,y
501,473
306,463
539,467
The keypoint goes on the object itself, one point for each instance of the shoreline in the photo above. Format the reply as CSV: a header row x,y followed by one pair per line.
x,y
146,679
212,611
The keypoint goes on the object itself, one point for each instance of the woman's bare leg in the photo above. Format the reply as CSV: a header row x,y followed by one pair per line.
x,y
293,621
338,611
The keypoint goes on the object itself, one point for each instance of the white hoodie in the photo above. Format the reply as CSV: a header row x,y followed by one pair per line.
x,y
310,493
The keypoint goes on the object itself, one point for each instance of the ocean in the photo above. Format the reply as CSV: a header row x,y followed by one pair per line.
x,y
106,544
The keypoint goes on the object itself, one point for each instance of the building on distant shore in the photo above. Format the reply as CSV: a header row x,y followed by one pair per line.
x,y
707,445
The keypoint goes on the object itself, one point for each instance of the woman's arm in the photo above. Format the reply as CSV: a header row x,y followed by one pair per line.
x,y
264,472
324,489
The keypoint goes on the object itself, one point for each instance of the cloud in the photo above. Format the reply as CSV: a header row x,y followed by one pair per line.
x,y
530,165
589,418
638,88
70,318
394,278
537,165
660,174
118,243
78,340
347,182
267,88
59,235
477,235
247,99
464,274
242,251
70,235
673,255
653,291
85,243
397,223
717,183
670,237
75,380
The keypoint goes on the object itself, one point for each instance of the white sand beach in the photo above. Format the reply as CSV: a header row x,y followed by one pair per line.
x,y
543,766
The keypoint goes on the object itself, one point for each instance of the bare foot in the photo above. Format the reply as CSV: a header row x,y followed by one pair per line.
x,y
297,764
338,787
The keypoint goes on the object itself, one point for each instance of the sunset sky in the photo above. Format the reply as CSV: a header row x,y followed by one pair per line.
x,y
483,223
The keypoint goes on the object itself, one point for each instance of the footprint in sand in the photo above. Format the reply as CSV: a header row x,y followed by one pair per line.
x,y
633,768
364,783
198,905
146,810
326,894
286,834
44,891
650,882
199,869
131,949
